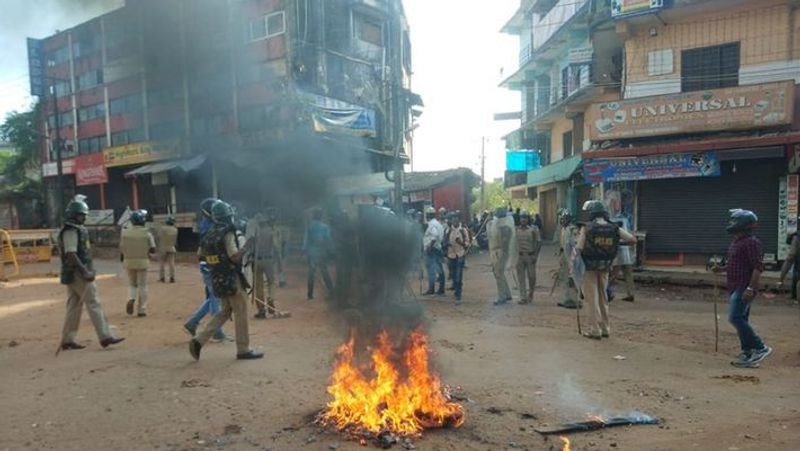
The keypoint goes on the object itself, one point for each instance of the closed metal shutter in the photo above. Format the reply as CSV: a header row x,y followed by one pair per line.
x,y
689,215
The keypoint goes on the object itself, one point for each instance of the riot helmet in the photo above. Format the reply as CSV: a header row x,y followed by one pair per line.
x,y
596,209
206,206
741,221
138,217
76,207
222,213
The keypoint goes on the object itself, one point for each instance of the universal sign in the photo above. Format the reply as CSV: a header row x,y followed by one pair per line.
x,y
739,108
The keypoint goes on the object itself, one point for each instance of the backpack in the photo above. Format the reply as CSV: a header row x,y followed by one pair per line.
x,y
600,248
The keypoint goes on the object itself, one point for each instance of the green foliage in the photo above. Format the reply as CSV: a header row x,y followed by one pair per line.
x,y
497,195
19,130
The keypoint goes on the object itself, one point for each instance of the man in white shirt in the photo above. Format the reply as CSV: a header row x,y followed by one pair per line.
x,y
432,246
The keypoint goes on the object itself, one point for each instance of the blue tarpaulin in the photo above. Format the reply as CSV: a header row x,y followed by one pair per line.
x,y
522,160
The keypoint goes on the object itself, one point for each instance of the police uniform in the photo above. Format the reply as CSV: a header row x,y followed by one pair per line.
x,y
167,239
267,255
135,245
568,239
528,242
501,235
74,238
217,247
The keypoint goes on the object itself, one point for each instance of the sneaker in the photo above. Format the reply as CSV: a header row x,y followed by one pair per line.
x,y
129,306
742,360
428,293
141,314
190,328
194,349
501,301
250,355
760,354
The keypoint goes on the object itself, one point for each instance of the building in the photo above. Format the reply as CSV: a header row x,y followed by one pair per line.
x,y
162,103
450,189
709,120
570,56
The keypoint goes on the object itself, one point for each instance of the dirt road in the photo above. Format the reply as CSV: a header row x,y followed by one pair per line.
x,y
519,367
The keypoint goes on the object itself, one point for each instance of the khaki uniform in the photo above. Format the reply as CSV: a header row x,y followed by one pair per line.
x,y
529,242
234,304
568,238
167,239
267,258
500,238
135,245
80,293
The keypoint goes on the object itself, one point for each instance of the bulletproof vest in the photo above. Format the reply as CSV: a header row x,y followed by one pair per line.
x,y
600,248
526,241
135,246
83,253
167,238
224,272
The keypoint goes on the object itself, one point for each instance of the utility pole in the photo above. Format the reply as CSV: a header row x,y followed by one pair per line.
x,y
483,173
59,164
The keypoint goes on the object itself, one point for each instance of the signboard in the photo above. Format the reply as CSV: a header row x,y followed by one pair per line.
x,y
420,196
90,170
51,169
36,66
581,55
626,8
793,189
140,153
676,165
100,217
740,108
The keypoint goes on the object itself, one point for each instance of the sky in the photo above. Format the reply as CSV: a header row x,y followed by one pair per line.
x,y
458,53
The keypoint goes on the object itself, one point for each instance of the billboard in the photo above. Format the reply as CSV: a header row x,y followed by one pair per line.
x,y
627,8
676,165
36,66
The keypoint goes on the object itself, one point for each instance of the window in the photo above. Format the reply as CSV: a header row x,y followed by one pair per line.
x,y
166,130
64,119
267,26
368,30
90,79
62,88
212,125
91,112
91,145
564,83
710,67
164,96
59,56
566,144
85,47
127,104
126,137
660,62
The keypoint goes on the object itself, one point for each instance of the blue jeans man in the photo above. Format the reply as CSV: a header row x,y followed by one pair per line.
x,y
457,270
433,262
739,317
316,262
210,306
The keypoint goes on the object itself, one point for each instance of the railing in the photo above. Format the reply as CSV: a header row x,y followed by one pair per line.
x,y
549,24
515,179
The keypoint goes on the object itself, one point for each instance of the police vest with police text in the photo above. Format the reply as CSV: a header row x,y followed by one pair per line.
x,y
600,248
224,272
83,252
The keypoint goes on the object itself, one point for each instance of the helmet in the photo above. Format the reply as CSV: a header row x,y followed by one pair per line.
x,y
564,216
222,212
207,204
524,214
500,212
170,220
442,211
430,211
741,221
596,208
76,207
138,217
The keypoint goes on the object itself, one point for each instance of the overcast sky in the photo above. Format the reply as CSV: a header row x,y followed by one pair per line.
x,y
458,53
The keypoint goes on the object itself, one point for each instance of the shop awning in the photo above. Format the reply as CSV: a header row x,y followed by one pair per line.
x,y
162,166
555,172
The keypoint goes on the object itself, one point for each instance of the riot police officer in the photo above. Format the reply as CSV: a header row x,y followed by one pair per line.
x,y
135,245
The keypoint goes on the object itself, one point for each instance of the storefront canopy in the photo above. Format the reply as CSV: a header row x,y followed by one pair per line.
x,y
555,172
162,166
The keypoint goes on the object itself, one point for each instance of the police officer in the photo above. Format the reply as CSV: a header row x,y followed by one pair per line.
x,y
598,242
503,251
167,238
567,241
77,273
267,254
135,245
529,243
221,251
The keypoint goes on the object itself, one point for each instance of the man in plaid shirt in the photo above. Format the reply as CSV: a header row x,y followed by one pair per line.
x,y
744,267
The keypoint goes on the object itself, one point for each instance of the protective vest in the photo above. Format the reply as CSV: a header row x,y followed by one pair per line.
x,y
224,272
83,253
526,240
600,248
167,238
135,246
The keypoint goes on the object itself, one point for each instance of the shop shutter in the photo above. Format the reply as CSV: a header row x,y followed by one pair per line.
x,y
689,215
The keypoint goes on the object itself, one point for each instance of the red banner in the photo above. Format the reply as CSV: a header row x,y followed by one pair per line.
x,y
90,170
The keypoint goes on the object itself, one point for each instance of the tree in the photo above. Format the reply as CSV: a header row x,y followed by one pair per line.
x,y
496,196
22,186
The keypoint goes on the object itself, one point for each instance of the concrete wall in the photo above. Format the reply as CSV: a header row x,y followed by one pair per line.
x,y
560,126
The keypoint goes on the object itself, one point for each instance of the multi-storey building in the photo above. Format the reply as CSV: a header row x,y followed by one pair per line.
x,y
709,121
570,56
162,103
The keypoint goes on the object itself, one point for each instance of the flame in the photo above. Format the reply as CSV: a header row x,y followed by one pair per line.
x,y
566,444
402,396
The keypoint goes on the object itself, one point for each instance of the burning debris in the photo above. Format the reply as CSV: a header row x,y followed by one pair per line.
x,y
391,396
565,441
596,422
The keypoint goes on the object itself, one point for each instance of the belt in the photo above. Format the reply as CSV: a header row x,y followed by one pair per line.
x,y
527,253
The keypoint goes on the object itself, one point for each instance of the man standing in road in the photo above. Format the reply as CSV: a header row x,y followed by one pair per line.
x,y
568,239
267,242
456,254
744,267
598,243
136,245
167,239
503,251
432,243
623,264
77,273
529,242
317,246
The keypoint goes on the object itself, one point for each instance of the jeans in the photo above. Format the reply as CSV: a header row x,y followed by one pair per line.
x,y
211,304
433,262
314,263
457,271
739,317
